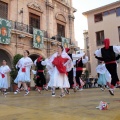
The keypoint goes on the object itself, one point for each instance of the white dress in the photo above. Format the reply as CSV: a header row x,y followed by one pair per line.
x,y
58,79
101,69
24,72
3,80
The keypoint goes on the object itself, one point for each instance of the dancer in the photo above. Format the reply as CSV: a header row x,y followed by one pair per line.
x,y
4,69
74,78
104,76
40,77
23,76
79,69
61,64
70,73
108,54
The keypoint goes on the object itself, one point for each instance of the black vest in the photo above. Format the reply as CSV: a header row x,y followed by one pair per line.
x,y
70,55
39,66
79,63
108,54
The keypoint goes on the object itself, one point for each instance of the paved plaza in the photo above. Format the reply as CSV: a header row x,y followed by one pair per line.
x,y
76,106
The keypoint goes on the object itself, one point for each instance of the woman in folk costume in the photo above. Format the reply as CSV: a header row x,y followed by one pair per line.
x,y
40,77
79,69
4,69
108,54
61,63
104,76
23,76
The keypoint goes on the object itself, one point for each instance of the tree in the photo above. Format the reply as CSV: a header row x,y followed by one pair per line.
x,y
86,74
14,71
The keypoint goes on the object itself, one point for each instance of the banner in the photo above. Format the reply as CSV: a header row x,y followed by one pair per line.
x,y
65,42
5,31
38,39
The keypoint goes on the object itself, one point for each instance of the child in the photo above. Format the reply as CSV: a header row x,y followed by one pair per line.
x,y
4,69
104,76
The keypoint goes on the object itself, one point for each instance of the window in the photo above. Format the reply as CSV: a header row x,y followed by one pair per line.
x,y
112,11
98,17
34,21
118,11
119,33
3,10
61,30
99,38
109,12
105,13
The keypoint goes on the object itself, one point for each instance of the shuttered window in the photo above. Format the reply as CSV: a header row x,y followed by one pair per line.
x,y
3,10
61,30
34,20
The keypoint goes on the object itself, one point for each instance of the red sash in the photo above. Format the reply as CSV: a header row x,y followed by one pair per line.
x,y
40,70
79,69
24,69
110,62
2,75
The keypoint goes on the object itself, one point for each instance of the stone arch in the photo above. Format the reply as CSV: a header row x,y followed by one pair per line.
x,y
5,54
33,56
61,17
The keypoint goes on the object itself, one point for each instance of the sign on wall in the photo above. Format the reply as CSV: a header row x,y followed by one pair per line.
x,y
65,42
5,31
38,39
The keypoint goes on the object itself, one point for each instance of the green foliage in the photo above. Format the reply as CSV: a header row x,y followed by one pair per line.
x,y
14,71
86,73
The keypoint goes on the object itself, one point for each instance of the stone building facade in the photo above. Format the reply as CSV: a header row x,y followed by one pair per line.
x,y
103,22
55,18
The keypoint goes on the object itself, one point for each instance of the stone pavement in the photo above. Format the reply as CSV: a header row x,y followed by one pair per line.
x,y
76,106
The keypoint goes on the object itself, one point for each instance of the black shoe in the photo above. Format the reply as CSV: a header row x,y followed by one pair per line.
x,y
74,89
53,94
111,91
62,95
67,91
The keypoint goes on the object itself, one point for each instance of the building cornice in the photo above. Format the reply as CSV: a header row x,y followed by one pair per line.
x,y
100,8
35,6
49,5
61,2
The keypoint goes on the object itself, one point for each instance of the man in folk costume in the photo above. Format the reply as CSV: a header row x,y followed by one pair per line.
x,y
70,73
40,78
108,53
79,69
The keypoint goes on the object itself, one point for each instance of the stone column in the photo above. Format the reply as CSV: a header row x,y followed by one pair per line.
x,y
71,27
49,17
49,23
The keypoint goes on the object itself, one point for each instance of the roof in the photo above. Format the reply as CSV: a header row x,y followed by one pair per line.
x,y
99,8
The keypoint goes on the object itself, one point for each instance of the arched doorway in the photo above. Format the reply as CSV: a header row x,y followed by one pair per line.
x,y
33,57
4,55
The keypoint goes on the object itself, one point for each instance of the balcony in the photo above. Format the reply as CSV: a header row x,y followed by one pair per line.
x,y
25,28
58,38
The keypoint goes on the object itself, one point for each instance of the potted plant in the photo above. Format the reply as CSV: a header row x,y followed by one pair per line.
x,y
14,71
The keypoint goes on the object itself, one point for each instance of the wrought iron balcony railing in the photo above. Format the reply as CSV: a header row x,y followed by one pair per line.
x,y
25,28
58,38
